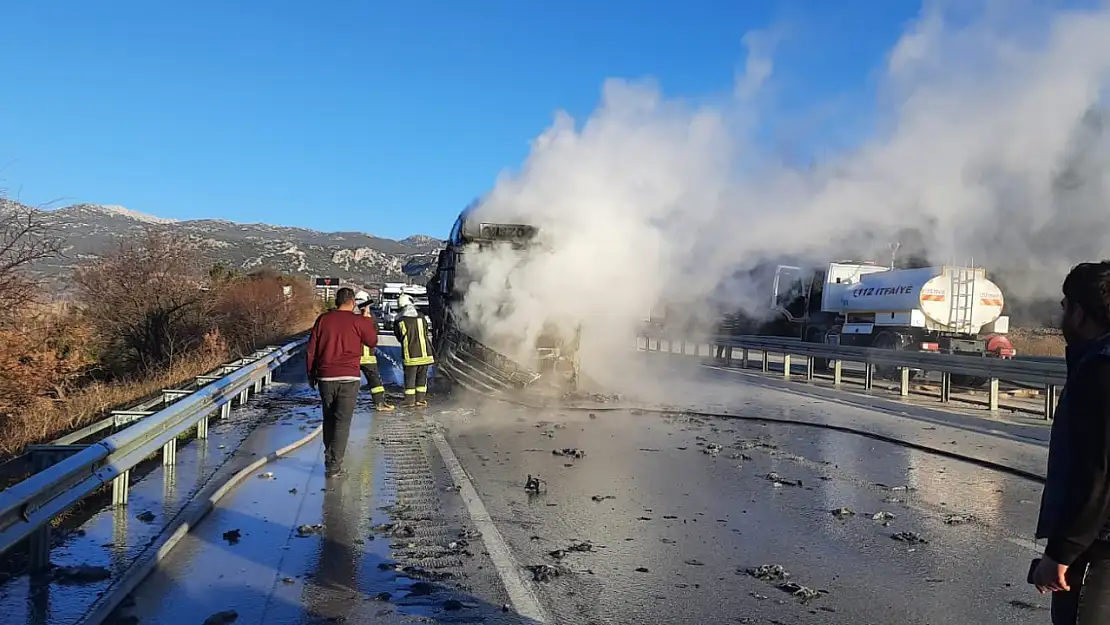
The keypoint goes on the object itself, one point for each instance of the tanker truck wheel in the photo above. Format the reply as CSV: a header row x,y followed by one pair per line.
x,y
967,381
893,341
817,335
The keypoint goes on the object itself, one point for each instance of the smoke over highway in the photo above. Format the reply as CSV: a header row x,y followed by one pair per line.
x,y
988,143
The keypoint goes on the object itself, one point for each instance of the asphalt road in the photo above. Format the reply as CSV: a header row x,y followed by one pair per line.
x,y
674,530
664,519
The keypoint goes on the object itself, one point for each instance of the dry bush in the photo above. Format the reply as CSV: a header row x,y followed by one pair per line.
x,y
262,308
44,419
148,301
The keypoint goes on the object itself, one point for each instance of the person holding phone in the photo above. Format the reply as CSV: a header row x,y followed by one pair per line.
x,y
1075,505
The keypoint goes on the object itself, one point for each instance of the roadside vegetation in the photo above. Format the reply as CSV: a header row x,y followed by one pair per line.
x,y
145,314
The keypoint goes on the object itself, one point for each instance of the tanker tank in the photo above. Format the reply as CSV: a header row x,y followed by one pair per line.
x,y
950,299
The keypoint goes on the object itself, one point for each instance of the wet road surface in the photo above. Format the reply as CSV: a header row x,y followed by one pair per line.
x,y
389,543
673,523
114,539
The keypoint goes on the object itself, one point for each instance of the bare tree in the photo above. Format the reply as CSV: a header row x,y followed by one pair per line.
x,y
25,238
147,299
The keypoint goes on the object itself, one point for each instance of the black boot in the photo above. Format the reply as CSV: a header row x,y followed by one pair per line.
x,y
380,403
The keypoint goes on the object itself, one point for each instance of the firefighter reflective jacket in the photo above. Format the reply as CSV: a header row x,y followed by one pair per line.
x,y
416,345
368,357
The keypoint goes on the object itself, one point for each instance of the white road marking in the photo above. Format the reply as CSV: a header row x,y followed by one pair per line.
x,y
521,594
1024,542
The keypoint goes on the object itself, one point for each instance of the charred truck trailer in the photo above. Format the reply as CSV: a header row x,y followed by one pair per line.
x,y
464,353
945,309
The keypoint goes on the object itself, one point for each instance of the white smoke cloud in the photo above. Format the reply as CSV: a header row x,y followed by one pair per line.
x,y
979,119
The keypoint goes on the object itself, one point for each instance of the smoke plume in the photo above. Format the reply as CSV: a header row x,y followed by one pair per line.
x,y
988,148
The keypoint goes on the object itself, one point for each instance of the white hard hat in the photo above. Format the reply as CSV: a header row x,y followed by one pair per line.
x,y
404,301
362,297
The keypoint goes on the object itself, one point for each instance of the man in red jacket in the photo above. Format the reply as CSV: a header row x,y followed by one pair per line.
x,y
332,359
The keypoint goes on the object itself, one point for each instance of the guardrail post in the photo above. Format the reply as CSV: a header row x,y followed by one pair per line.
x,y
38,543
120,486
786,366
904,383
202,427
766,361
744,358
169,453
728,355
225,409
1049,401
945,386
868,376
809,368
244,395
258,386
683,344
838,373
993,386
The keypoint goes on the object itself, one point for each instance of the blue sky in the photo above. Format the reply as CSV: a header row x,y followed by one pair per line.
x,y
352,115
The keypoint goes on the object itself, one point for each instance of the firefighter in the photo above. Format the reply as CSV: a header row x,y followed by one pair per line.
x,y
411,330
369,361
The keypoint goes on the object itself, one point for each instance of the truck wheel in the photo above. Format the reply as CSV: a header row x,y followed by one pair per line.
x,y
817,335
968,381
892,341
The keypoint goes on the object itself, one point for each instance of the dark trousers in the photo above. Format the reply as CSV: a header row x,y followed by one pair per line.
x,y
338,400
1088,601
374,381
416,384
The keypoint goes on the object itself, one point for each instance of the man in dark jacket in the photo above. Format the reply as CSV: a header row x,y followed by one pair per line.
x,y
1075,505
332,361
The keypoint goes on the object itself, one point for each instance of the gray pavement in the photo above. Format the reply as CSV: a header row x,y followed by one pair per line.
x,y
674,529
659,521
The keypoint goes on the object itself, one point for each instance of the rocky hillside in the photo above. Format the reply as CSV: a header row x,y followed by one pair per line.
x,y
87,229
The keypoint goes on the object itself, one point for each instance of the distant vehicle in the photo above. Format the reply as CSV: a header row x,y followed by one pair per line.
x,y
944,309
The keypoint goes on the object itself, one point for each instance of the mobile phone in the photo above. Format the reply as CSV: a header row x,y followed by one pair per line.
x,y
1032,567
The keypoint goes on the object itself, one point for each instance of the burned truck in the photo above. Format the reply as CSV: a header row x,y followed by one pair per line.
x,y
467,354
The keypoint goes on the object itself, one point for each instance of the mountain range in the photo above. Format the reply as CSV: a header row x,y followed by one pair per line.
x,y
86,230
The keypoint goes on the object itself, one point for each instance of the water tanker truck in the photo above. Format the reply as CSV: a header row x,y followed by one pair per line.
x,y
944,309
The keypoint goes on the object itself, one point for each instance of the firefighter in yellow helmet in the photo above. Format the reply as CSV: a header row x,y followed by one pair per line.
x,y
412,330
369,361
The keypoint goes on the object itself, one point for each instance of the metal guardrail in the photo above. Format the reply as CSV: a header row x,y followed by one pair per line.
x,y
1051,374
27,508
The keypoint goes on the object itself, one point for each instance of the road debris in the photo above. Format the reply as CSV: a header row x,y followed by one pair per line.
x,y
768,572
292,491
534,485
712,449
305,531
600,498
959,519
909,537
882,516
80,574
146,517
694,562
797,590
269,475
1025,605
842,512
571,452
222,618
779,480
545,572
642,569
232,536
580,547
